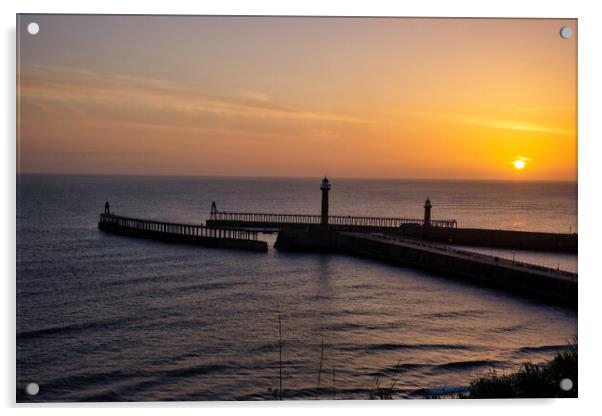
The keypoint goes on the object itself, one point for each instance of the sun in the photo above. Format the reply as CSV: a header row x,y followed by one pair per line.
x,y
519,164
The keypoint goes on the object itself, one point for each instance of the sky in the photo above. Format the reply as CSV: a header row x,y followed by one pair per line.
x,y
298,96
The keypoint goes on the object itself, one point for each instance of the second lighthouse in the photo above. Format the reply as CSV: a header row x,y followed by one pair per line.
x,y
325,187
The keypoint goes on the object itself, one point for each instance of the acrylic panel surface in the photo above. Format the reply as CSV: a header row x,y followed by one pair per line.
x,y
177,238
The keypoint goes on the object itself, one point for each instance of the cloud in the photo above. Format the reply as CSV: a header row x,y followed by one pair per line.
x,y
89,154
544,109
84,88
497,123
517,125
255,96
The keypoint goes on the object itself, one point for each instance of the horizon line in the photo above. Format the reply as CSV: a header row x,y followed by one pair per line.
x,y
576,180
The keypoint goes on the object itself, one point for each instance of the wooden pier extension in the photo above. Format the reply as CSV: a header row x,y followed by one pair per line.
x,y
182,233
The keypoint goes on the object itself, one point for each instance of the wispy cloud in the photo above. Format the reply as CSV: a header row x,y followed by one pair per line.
x,y
255,96
543,109
497,123
508,124
69,86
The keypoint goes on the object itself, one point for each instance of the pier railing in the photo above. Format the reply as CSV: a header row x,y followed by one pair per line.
x,y
375,222
175,228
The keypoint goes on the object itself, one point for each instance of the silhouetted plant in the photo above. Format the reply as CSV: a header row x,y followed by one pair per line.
x,y
279,392
333,385
280,355
531,381
380,392
320,371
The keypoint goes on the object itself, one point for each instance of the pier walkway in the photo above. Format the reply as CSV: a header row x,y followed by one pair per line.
x,y
472,255
182,233
275,222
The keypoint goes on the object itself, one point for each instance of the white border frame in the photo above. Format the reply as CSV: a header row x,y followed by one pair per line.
x,y
590,68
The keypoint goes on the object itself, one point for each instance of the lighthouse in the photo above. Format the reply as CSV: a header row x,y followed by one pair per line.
x,y
427,213
325,187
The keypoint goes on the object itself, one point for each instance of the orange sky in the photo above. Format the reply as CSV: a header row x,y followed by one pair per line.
x,y
363,97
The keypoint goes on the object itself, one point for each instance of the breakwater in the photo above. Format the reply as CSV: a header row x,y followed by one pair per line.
x,y
182,233
552,285
441,231
518,240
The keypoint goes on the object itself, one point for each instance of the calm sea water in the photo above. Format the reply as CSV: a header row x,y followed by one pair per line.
x,y
103,317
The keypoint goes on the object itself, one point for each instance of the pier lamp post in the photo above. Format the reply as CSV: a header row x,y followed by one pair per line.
x,y
325,187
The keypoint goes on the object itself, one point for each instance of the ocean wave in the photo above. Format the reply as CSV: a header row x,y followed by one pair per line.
x,y
401,346
511,328
543,348
460,365
399,368
454,314
70,329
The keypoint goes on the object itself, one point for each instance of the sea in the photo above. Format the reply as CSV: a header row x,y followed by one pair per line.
x,y
102,317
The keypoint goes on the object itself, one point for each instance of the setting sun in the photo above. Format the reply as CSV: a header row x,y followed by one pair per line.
x,y
520,163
